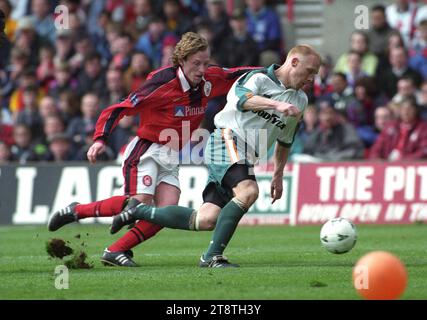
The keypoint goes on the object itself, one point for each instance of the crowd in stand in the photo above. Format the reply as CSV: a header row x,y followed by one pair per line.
x,y
54,81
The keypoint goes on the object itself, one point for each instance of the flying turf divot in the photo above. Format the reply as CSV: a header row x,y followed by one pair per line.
x,y
58,248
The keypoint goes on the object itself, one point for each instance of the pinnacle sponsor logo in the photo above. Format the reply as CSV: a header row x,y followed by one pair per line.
x,y
179,111
188,111
274,119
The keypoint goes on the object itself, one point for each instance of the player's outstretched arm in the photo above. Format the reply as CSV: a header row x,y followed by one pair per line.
x,y
95,149
256,103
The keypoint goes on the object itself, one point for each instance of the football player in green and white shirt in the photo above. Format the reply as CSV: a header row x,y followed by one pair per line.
x,y
263,107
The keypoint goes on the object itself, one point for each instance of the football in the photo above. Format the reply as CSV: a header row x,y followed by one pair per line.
x,y
338,235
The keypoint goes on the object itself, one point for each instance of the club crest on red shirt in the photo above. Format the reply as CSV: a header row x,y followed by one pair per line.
x,y
207,88
147,180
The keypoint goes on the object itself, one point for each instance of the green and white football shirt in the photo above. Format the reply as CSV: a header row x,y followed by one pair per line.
x,y
260,129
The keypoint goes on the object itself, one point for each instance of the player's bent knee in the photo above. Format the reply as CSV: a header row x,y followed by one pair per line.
x,y
207,217
248,195
208,224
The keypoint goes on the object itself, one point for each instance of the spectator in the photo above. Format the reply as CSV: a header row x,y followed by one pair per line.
x,y
76,25
383,115
30,114
238,48
218,21
143,13
81,154
121,136
43,20
359,42
60,148
19,62
118,9
333,140
176,20
83,48
398,69
360,112
418,50
22,150
423,101
5,47
341,96
401,16
46,69
29,41
116,88
68,105
6,132
167,52
95,14
264,26
406,88
80,126
64,81
26,79
92,77
205,30
307,128
11,23
355,72
63,46
369,134
122,51
99,35
395,40
5,153
52,125
151,42
138,71
403,139
379,32
322,84
47,107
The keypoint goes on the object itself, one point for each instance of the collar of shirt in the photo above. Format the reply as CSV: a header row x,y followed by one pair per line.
x,y
272,74
185,85
183,80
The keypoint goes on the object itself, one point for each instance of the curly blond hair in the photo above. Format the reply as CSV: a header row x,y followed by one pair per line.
x,y
189,44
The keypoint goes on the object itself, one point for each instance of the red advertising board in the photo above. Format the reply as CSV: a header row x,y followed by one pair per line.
x,y
365,192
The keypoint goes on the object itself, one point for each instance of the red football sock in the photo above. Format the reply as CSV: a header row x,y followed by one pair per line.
x,y
142,231
104,208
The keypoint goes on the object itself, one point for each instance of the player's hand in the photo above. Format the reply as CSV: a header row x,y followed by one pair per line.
x,y
288,109
276,188
95,149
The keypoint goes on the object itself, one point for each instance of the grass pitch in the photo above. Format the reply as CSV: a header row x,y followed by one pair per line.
x,y
277,262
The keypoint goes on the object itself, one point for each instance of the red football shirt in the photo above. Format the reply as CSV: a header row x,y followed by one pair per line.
x,y
166,100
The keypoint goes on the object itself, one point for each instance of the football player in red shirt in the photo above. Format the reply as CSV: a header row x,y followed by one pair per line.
x,y
171,98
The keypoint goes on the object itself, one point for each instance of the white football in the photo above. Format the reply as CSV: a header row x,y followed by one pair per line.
x,y
338,235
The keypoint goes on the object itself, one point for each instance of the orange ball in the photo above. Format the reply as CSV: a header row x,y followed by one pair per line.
x,y
379,275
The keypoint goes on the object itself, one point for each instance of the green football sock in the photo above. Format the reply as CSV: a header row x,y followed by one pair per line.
x,y
227,222
174,217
